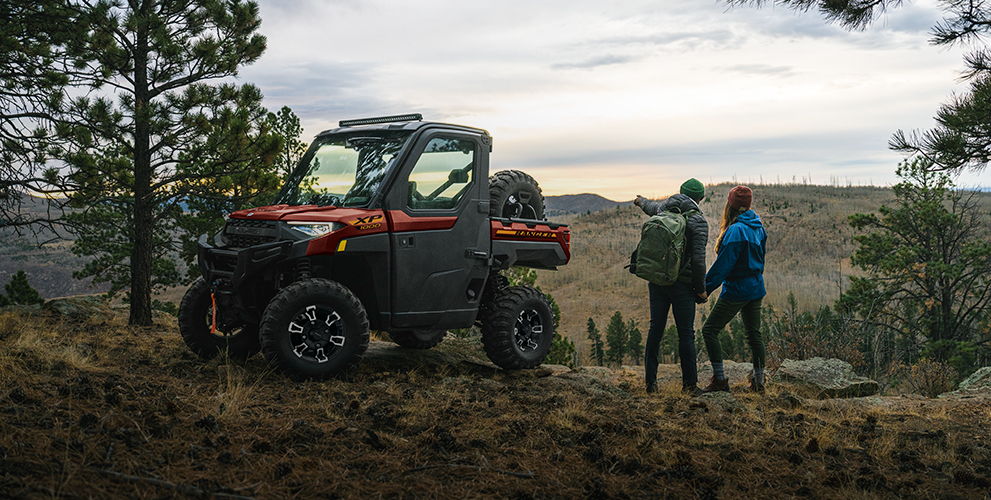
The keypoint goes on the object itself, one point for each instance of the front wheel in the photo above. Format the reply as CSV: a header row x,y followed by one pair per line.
x,y
195,320
518,328
314,329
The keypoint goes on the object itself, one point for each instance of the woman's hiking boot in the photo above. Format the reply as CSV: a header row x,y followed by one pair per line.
x,y
651,387
717,385
691,390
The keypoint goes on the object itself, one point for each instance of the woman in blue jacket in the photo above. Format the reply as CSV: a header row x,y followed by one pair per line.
x,y
739,269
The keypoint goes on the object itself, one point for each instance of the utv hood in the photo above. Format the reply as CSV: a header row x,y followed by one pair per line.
x,y
303,213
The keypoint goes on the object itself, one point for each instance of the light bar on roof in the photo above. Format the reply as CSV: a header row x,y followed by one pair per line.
x,y
382,119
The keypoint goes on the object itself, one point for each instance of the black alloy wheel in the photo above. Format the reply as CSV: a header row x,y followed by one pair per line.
x,y
317,333
529,330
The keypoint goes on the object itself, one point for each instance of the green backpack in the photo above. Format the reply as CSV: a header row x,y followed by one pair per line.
x,y
657,258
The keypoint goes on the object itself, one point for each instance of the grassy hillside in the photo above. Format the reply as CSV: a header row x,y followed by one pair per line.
x,y
94,409
809,245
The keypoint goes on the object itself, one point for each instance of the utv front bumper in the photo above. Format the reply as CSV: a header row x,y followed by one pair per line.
x,y
234,267
242,280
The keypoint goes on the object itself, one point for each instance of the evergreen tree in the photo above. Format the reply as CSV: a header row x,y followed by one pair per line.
x,y
152,149
634,342
19,291
285,125
562,352
33,74
927,265
595,338
616,339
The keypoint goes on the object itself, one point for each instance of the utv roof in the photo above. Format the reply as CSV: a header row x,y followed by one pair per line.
x,y
411,122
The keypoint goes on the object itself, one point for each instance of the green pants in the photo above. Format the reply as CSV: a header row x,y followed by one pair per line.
x,y
722,314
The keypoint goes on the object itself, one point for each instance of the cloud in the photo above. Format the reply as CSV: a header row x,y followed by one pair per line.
x,y
594,62
718,37
762,69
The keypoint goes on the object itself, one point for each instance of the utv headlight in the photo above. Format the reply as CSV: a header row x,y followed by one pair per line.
x,y
316,228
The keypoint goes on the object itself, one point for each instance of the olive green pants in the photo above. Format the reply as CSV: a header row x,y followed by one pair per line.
x,y
721,315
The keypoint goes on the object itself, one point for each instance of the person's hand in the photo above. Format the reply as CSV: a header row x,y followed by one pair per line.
x,y
702,298
639,201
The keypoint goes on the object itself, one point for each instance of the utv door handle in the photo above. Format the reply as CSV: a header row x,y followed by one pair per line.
x,y
478,254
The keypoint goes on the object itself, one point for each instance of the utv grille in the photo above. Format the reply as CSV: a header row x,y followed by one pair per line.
x,y
242,233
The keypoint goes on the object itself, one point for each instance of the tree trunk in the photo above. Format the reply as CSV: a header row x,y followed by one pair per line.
x,y
142,222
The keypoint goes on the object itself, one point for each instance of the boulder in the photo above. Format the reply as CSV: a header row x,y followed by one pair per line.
x,y
826,378
78,306
736,372
978,383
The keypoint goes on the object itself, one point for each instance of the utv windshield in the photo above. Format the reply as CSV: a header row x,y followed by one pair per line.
x,y
343,171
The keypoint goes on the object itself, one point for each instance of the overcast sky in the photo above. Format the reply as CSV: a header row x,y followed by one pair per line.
x,y
620,98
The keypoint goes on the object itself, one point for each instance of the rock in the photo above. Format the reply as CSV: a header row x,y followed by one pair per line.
x,y
733,370
978,383
826,378
78,306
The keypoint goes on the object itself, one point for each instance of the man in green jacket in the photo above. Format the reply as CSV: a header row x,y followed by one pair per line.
x,y
682,296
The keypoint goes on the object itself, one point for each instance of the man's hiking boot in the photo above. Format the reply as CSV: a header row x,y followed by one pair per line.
x,y
691,390
651,388
717,385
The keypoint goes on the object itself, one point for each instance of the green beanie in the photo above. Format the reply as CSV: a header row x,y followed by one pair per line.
x,y
693,189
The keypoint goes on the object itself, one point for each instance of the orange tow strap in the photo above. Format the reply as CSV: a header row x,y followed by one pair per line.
x,y
213,311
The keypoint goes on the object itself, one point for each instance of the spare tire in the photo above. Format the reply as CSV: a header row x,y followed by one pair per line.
x,y
515,195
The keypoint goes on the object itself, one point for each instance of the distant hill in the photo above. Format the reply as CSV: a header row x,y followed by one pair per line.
x,y
578,204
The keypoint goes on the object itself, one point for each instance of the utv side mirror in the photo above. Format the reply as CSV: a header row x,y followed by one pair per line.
x,y
458,176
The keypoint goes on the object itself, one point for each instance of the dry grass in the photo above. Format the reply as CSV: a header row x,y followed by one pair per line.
x,y
143,406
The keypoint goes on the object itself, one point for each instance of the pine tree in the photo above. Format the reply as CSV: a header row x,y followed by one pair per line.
x,y
19,291
595,338
634,342
927,268
285,125
616,339
562,352
151,150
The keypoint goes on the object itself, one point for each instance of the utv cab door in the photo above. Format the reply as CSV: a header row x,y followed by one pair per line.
x,y
438,211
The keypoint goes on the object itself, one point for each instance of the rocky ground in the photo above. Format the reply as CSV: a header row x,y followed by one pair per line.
x,y
94,409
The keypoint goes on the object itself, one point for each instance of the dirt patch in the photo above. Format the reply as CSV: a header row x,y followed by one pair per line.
x,y
128,412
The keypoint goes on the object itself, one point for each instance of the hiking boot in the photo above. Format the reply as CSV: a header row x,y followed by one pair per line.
x,y
651,388
691,390
717,385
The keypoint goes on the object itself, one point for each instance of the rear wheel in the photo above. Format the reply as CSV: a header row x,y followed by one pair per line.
x,y
518,328
515,195
195,320
314,329
418,339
